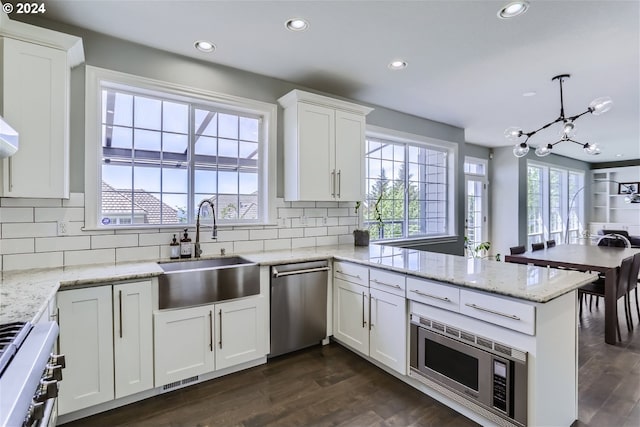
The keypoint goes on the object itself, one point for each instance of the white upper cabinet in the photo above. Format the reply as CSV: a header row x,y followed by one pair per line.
x,y
323,148
34,100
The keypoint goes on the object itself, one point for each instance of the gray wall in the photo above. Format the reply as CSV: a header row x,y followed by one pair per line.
x,y
120,55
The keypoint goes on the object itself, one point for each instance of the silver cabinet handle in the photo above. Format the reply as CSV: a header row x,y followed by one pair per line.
x,y
364,322
210,330
431,296
370,321
386,284
333,183
10,172
339,182
347,274
220,314
488,310
120,310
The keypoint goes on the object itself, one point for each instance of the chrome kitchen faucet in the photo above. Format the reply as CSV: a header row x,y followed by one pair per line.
x,y
214,233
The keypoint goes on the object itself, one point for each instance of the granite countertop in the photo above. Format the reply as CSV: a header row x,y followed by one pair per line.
x,y
24,294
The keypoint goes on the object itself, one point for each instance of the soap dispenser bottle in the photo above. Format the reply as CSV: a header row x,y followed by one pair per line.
x,y
175,248
185,245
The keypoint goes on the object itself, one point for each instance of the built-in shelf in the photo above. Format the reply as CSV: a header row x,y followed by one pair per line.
x,y
608,209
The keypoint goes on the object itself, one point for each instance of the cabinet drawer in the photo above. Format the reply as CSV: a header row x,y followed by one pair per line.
x,y
499,311
353,273
387,281
433,293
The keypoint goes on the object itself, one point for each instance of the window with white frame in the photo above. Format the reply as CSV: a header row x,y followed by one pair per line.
x,y
162,152
555,205
408,187
475,222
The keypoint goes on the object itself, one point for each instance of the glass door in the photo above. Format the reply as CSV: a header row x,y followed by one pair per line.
x,y
475,223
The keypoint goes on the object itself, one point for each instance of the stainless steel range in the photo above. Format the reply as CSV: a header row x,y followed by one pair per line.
x,y
29,374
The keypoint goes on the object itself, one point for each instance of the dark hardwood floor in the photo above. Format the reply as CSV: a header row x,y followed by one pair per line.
x,y
331,386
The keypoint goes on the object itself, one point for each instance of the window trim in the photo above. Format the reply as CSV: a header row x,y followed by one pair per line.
x,y
95,77
393,135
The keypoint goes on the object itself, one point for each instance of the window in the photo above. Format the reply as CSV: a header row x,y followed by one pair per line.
x,y
408,188
163,150
475,202
552,198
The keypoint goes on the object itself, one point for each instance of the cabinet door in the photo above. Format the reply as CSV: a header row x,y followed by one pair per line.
x,y
184,341
86,339
349,167
351,314
240,335
388,336
35,103
316,139
132,341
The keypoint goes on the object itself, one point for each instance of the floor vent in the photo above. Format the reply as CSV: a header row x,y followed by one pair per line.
x,y
180,383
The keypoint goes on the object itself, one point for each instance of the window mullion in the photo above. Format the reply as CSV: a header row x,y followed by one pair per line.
x,y
405,227
191,167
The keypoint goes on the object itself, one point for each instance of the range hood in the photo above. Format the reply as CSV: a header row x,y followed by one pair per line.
x,y
8,139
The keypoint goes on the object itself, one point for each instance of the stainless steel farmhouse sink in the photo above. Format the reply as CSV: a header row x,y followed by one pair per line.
x,y
205,281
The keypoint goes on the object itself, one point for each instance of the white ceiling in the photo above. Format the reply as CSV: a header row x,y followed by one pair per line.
x,y
466,67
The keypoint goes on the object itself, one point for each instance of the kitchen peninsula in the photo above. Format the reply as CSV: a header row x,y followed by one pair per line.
x,y
546,332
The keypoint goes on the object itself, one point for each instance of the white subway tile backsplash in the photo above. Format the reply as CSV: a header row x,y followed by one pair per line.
x,y
345,239
114,241
141,253
232,235
32,203
248,246
29,261
305,242
59,214
287,233
16,215
28,233
327,240
17,246
65,243
263,234
96,256
29,229
277,244
315,231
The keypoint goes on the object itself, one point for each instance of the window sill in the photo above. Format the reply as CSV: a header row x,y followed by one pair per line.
x,y
418,241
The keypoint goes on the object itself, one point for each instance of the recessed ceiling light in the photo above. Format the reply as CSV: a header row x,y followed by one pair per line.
x,y
397,65
205,46
618,155
513,9
296,24
532,93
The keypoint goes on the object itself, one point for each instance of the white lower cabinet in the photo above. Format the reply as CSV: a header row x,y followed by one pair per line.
x,y
197,340
388,330
351,314
372,321
132,338
86,340
101,365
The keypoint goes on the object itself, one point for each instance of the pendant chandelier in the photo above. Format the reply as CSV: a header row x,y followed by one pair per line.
x,y
596,107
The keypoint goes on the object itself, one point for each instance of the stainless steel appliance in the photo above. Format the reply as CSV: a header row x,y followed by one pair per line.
x,y
490,376
298,306
29,374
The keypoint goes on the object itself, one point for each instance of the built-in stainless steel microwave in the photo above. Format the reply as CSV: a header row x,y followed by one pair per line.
x,y
485,373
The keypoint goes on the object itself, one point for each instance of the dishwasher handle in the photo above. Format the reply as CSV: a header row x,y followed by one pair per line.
x,y
276,273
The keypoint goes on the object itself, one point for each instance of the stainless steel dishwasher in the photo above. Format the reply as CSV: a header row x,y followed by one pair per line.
x,y
298,305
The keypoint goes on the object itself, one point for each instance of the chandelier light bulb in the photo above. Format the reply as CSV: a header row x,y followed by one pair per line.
x,y
600,105
591,149
520,150
513,133
568,130
544,150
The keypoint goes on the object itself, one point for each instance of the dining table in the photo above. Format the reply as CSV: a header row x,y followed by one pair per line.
x,y
603,259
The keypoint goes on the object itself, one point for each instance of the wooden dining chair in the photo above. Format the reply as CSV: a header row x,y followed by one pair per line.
x,y
633,286
517,250
551,243
622,288
537,246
